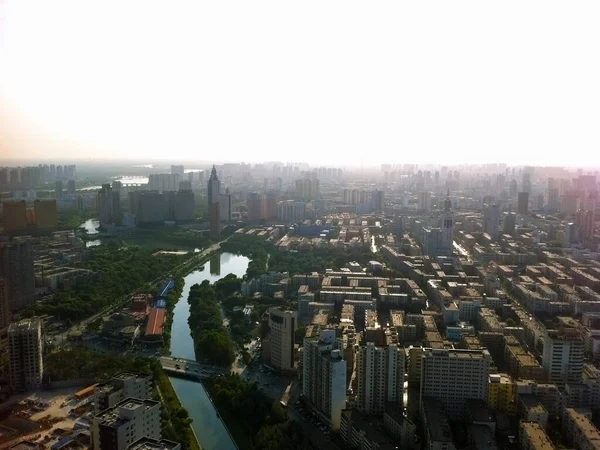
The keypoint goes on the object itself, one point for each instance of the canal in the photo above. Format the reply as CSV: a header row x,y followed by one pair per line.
x,y
209,429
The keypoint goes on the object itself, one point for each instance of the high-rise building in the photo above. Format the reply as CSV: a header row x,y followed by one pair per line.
x,y
109,206
380,376
45,213
307,189
512,189
119,427
283,324
424,201
553,194
291,211
14,215
4,304
433,242
378,200
162,182
455,376
491,221
214,187
225,206
447,227
17,269
177,170
563,356
214,220
26,347
571,234
510,223
58,190
214,206
254,204
120,387
324,375
523,203
185,185
71,187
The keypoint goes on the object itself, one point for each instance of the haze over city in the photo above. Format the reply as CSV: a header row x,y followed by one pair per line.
x,y
318,225
318,81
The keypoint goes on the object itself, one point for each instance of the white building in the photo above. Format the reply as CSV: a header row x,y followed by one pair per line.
x,y
324,376
563,356
130,420
455,376
291,211
380,376
25,346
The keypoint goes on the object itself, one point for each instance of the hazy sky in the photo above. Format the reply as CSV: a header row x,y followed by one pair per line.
x,y
379,81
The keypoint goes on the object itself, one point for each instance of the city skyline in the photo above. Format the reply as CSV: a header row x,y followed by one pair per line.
x,y
385,84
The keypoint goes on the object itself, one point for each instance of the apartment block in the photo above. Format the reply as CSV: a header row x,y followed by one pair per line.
x,y
455,376
502,393
324,376
120,387
579,430
127,422
283,324
26,346
380,373
17,269
563,356
533,437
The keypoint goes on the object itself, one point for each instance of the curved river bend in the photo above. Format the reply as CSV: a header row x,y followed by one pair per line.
x,y
209,428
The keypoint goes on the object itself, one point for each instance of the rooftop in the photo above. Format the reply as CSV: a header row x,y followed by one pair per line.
x,y
537,436
147,443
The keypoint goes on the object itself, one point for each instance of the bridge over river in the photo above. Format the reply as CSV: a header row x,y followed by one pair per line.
x,y
190,369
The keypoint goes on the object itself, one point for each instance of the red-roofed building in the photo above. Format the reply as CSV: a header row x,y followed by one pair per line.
x,y
155,325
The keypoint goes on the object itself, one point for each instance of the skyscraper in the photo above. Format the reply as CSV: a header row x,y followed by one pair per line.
x,y
71,187
283,324
45,213
17,269
214,208
4,304
424,201
14,215
510,222
58,190
177,170
109,206
25,345
491,221
455,376
447,227
380,376
523,203
324,375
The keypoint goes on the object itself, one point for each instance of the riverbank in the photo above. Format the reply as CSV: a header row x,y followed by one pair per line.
x,y
175,295
173,407
209,428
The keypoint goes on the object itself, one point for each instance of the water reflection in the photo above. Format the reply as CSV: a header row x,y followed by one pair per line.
x,y
209,428
215,264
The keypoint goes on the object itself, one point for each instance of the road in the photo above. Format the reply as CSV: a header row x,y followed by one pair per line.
x,y
62,338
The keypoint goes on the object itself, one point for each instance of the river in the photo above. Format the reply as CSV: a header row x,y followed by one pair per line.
x,y
209,429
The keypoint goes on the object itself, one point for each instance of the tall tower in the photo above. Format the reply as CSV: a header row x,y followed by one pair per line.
x,y
447,226
214,187
214,210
